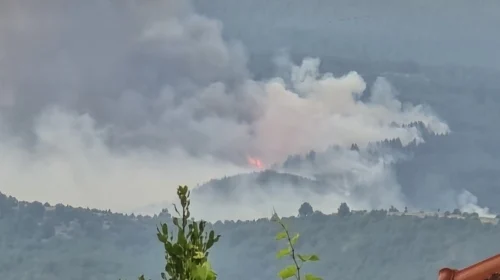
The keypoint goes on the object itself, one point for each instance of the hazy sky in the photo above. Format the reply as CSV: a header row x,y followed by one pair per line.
x,y
456,32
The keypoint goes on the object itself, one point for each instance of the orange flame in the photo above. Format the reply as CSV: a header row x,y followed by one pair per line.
x,y
255,162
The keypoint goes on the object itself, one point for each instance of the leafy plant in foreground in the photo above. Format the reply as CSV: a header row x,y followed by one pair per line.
x,y
299,260
187,256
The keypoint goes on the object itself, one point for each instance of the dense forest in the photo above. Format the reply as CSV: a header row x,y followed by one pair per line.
x,y
61,242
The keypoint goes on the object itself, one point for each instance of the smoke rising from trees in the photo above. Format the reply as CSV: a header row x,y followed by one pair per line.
x,y
126,100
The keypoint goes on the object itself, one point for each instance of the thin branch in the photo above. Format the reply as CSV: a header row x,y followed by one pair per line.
x,y
291,246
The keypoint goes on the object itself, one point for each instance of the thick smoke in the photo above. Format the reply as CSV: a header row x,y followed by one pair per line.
x,y
113,104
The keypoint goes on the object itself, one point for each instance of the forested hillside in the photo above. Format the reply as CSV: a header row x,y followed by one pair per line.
x,y
61,242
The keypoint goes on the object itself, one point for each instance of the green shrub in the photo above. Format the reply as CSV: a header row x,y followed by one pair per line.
x,y
186,255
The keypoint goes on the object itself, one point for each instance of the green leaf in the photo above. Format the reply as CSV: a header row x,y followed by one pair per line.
x,y
203,272
212,275
287,272
174,250
308,258
217,238
181,239
199,255
312,277
199,272
201,226
194,230
283,252
170,269
164,229
175,207
294,239
211,239
162,238
280,235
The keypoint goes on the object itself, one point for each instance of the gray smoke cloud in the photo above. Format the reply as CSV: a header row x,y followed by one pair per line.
x,y
112,104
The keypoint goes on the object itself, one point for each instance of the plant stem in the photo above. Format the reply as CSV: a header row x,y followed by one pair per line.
x,y
293,249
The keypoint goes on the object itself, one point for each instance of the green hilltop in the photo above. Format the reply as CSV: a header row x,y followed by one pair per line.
x,y
42,241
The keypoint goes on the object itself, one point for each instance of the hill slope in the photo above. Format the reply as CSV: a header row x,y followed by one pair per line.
x,y
61,242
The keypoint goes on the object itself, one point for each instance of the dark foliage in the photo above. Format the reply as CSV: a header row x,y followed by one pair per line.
x,y
305,209
77,244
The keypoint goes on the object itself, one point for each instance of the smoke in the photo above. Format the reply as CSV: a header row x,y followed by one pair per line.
x,y
113,104
338,175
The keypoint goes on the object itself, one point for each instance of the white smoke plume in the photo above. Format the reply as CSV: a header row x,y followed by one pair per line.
x,y
113,104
